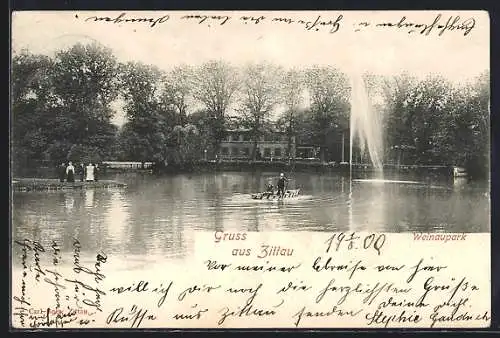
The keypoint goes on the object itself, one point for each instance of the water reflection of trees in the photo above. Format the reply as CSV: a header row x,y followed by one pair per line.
x,y
118,221
429,208
86,223
156,222
113,221
151,216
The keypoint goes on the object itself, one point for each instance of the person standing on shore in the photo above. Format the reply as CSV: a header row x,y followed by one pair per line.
x,y
70,173
81,171
96,172
90,173
62,172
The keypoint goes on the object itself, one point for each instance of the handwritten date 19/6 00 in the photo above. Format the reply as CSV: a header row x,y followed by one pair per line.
x,y
351,242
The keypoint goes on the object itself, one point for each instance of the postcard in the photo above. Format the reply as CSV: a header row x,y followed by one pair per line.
x,y
250,169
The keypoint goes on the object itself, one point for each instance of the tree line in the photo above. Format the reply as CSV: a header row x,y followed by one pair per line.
x,y
62,109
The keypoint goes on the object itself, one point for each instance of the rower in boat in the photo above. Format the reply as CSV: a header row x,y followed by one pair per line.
x,y
269,186
281,185
269,189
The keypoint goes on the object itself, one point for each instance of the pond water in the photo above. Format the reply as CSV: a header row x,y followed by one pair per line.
x,y
153,215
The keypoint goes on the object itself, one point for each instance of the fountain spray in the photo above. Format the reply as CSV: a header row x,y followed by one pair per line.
x,y
365,125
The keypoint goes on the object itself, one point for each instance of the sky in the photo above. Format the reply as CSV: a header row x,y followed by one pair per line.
x,y
359,45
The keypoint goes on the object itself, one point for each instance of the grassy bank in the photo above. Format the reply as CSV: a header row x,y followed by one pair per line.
x,y
43,184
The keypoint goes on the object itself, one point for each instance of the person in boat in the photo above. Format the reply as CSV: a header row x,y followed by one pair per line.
x,y
70,173
281,185
269,187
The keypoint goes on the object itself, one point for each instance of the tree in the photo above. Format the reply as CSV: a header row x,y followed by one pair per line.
x,y
178,87
63,102
259,96
432,121
397,121
292,94
33,107
464,134
147,130
304,126
429,103
214,85
188,143
418,108
86,82
200,119
329,92
478,162
31,76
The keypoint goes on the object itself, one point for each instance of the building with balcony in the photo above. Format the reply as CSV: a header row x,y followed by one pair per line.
x,y
238,144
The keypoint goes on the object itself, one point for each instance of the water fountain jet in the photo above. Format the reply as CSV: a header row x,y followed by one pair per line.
x,y
365,125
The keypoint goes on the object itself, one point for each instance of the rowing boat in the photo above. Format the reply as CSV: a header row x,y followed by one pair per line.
x,y
270,195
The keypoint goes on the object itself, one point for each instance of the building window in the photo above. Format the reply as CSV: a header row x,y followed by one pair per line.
x,y
225,150
267,152
246,151
234,151
229,138
241,137
277,152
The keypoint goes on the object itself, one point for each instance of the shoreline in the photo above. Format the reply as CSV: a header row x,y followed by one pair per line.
x,y
240,165
306,167
48,184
